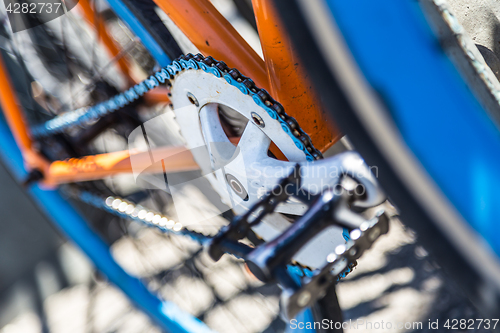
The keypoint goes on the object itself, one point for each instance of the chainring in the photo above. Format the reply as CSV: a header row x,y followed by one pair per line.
x,y
242,173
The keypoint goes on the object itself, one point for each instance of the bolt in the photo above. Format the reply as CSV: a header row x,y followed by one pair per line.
x,y
258,120
236,186
192,99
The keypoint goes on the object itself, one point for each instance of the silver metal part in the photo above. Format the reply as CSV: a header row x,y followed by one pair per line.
x,y
249,163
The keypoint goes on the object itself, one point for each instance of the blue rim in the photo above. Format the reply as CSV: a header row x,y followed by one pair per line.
x,y
438,116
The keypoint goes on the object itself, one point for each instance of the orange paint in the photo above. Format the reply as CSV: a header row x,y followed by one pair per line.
x,y
156,96
289,83
165,159
213,35
17,124
175,159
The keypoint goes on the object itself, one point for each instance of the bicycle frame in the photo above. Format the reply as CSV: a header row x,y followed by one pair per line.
x,y
212,35
280,73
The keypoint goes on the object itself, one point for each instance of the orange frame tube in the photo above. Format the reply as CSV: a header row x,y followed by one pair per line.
x,y
89,167
213,35
281,74
17,124
158,160
288,79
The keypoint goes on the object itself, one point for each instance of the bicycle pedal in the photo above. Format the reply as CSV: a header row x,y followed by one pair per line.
x,y
294,300
272,260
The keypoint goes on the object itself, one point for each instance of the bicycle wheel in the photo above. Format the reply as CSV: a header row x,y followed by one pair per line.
x,y
416,118
73,67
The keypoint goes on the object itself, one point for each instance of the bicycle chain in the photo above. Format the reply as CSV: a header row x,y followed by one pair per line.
x,y
152,219
126,209
87,116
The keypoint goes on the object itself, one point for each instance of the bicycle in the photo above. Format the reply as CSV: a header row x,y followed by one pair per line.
x,y
48,167
284,79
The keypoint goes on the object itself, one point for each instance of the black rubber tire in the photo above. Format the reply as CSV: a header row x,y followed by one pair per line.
x,y
329,86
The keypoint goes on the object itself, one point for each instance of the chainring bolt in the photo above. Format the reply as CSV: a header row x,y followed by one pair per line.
x,y
258,120
237,186
192,99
